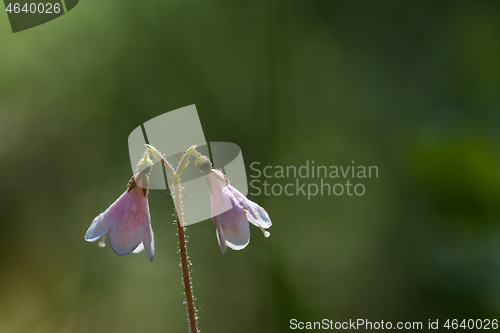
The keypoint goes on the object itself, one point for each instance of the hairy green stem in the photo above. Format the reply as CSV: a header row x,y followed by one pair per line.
x,y
193,325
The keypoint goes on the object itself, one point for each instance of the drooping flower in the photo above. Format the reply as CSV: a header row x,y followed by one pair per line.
x,y
231,210
127,221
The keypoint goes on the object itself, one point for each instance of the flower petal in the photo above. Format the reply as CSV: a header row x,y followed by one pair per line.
x,y
255,213
234,227
123,240
263,220
220,198
104,221
237,234
132,224
149,242
98,228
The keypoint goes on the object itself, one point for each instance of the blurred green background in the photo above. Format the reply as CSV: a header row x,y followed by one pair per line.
x,y
412,87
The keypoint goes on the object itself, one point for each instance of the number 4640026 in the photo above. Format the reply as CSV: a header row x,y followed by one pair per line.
x,y
484,324
41,8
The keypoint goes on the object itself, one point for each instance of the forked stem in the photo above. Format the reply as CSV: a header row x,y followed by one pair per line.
x,y
186,278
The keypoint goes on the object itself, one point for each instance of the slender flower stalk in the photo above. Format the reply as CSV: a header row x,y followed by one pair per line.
x,y
176,175
188,288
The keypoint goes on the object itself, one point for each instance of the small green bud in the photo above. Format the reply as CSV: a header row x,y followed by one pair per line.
x,y
204,164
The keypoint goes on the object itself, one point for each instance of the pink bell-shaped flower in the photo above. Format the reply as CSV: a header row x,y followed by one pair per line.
x,y
127,221
231,210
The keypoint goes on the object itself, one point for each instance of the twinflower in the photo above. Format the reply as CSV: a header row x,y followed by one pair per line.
x,y
127,221
231,210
